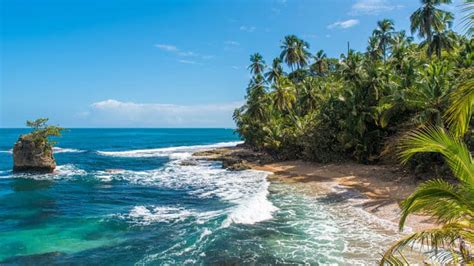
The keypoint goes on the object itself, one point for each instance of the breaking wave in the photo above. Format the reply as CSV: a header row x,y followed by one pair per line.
x,y
180,151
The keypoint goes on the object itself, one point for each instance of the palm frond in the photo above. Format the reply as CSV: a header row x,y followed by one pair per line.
x,y
438,239
437,198
459,113
436,140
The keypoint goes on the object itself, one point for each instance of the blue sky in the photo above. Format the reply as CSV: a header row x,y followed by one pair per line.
x,y
131,63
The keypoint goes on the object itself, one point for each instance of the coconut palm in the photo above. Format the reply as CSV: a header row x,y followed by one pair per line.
x,y
428,18
257,64
441,40
275,72
284,94
294,52
320,65
384,33
373,50
451,205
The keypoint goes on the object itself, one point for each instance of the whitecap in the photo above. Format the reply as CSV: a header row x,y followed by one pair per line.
x,y
254,209
55,150
65,171
66,150
179,152
146,215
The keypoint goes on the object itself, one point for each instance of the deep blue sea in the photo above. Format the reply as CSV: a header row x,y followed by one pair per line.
x,y
124,197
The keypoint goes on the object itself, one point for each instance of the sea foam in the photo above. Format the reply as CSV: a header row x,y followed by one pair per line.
x,y
181,151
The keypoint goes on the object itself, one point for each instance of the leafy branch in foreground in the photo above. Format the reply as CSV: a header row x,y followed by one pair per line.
x,y
451,205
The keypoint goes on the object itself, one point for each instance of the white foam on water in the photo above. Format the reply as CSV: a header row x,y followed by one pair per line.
x,y
169,151
66,150
146,215
246,192
65,171
55,150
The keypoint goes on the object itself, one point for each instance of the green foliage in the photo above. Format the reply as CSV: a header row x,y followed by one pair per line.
x,y
352,107
451,205
41,132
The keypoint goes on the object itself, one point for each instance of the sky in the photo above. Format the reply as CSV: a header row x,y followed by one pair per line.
x,y
180,63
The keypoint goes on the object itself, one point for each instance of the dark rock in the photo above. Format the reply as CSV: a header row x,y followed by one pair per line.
x,y
234,164
188,163
31,156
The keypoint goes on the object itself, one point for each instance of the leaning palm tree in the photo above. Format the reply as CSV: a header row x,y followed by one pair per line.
x,y
275,72
428,18
257,64
451,205
294,52
384,33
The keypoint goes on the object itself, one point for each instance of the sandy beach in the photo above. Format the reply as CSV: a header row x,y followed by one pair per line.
x,y
377,189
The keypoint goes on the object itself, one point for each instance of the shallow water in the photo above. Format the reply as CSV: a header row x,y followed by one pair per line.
x,y
152,209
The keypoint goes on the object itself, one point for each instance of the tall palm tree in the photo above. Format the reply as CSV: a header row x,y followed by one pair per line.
x,y
451,205
441,40
428,18
275,72
257,64
320,64
294,52
384,33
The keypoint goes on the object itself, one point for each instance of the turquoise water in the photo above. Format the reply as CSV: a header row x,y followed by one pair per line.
x,y
123,197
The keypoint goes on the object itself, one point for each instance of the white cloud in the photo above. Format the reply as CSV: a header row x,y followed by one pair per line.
x,y
344,24
190,62
129,114
373,7
167,47
232,43
248,28
181,53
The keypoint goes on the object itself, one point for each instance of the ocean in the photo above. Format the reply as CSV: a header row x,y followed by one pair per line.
x,y
124,197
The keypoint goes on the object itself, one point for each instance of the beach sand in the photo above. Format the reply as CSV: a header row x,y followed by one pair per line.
x,y
377,189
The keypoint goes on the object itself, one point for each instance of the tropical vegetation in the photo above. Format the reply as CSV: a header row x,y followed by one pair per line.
x,y
41,132
398,99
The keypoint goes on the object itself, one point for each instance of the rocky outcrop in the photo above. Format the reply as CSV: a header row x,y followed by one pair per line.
x,y
235,158
32,156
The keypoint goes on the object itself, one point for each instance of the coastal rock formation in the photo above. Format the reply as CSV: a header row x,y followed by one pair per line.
x,y
32,156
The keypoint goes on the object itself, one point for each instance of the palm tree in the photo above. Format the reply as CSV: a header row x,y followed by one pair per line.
x,y
373,50
451,205
383,33
294,52
428,18
441,40
284,94
257,64
275,72
320,65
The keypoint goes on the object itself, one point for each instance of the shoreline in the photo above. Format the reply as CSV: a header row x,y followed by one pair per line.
x,y
376,189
